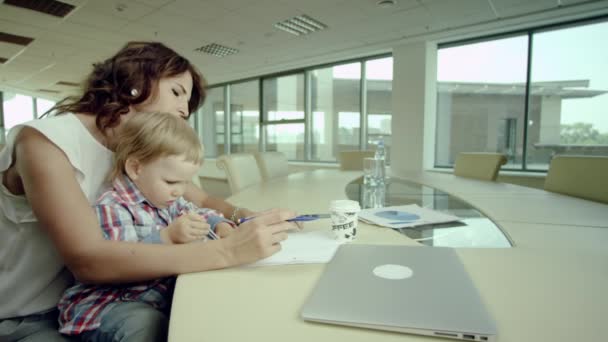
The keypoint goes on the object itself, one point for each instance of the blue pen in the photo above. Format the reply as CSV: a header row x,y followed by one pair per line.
x,y
301,218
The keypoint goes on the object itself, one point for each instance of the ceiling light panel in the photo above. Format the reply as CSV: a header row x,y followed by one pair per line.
x,y
217,50
15,39
52,7
68,84
300,25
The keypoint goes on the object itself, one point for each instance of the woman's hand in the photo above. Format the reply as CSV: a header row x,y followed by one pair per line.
x,y
223,229
187,228
246,213
259,237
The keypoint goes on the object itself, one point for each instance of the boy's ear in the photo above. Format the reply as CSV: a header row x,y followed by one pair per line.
x,y
132,168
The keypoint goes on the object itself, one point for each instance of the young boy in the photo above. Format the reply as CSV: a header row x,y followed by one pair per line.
x,y
157,155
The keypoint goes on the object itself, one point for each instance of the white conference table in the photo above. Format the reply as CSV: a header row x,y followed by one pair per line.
x,y
549,287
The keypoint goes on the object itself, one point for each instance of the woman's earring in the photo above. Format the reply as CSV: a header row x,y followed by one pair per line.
x,y
134,92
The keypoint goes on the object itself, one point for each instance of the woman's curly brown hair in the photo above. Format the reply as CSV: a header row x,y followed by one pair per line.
x,y
138,65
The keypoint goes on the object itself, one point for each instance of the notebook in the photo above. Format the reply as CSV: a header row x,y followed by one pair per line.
x,y
417,290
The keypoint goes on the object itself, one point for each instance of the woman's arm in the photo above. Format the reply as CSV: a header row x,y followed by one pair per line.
x,y
64,212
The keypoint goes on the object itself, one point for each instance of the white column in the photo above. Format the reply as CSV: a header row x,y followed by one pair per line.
x,y
414,96
550,120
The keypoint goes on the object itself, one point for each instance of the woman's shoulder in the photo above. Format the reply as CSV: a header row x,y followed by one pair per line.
x,y
62,123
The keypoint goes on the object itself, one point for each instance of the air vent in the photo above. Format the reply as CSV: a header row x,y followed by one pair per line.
x,y
2,60
15,39
52,7
300,25
68,84
50,91
217,50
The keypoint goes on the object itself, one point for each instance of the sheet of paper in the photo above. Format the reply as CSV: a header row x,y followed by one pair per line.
x,y
313,247
404,216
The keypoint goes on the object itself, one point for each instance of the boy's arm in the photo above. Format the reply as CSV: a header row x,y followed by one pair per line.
x,y
212,217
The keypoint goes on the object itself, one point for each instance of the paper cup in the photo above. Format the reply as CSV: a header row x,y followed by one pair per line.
x,y
344,219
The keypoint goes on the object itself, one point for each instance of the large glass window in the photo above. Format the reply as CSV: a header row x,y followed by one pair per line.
x,y
17,109
379,84
245,116
568,94
481,99
482,89
43,105
309,115
211,118
335,98
283,114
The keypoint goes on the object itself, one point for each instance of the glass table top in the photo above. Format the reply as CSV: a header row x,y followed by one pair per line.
x,y
473,230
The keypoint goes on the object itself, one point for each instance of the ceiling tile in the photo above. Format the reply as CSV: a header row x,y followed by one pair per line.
x,y
128,10
154,3
33,18
8,50
196,9
510,8
101,21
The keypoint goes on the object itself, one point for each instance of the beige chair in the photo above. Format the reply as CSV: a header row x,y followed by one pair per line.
x,y
196,180
479,165
272,164
353,160
579,176
241,170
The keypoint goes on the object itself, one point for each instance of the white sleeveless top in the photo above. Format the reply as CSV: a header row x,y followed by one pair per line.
x,y
32,274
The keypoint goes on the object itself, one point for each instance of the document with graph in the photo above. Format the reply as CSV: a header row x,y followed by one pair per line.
x,y
404,216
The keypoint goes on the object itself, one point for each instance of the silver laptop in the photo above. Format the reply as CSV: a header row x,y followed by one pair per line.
x,y
417,290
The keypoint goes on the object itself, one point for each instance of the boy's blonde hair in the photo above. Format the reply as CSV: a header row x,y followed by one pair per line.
x,y
148,136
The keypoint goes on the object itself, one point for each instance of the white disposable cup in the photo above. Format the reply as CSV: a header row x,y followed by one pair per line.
x,y
344,219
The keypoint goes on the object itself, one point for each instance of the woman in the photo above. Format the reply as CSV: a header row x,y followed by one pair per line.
x,y
53,170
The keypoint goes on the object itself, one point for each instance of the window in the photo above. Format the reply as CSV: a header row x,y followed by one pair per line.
x,y
335,98
379,84
568,94
42,106
487,101
17,109
309,115
211,119
481,99
283,115
245,116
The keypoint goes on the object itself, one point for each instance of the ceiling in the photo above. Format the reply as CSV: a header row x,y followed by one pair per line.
x,y
63,49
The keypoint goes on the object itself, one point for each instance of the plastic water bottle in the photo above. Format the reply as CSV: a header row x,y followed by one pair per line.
x,y
380,155
380,150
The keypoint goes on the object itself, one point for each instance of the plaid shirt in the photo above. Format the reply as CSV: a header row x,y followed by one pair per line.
x,y
124,214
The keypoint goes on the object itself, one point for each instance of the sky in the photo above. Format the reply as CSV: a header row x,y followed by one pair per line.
x,y
578,53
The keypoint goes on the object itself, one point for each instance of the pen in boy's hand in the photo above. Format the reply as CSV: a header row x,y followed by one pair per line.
x,y
301,218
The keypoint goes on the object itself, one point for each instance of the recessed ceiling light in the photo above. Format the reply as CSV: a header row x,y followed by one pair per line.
x,y
300,25
68,84
386,3
217,50
51,91
52,7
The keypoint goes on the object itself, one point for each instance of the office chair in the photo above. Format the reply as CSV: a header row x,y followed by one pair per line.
x,y
241,170
479,165
579,176
272,164
353,160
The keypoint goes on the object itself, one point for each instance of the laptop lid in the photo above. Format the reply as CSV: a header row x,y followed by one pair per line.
x,y
419,290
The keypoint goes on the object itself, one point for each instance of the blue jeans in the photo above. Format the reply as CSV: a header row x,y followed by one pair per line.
x,y
130,321
40,327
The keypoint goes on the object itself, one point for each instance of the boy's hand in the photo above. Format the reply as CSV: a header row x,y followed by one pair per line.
x,y
188,227
223,229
